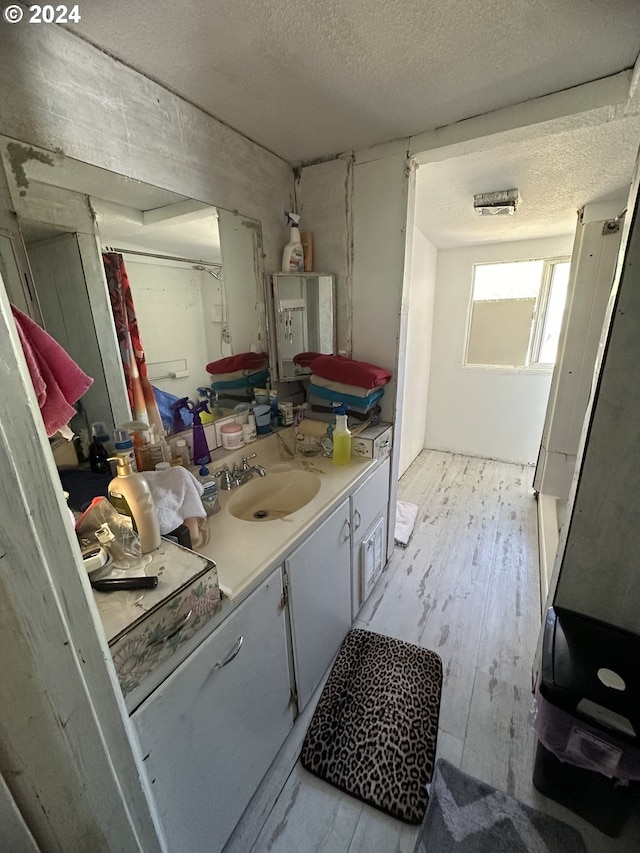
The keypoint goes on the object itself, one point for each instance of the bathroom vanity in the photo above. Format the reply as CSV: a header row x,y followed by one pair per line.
x,y
212,716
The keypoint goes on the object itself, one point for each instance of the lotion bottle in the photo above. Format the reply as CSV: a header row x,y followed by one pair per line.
x,y
129,493
341,438
293,255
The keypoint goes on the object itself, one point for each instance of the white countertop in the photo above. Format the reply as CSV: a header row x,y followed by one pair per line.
x,y
245,551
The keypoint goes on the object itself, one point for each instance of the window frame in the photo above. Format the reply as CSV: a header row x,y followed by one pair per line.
x,y
532,365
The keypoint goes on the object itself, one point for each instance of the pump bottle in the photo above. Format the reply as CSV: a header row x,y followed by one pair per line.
x,y
341,438
129,493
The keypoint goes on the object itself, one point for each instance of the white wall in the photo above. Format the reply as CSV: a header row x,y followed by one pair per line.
x,y
492,413
421,297
324,195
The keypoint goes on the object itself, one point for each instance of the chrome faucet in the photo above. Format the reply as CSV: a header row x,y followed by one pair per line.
x,y
239,474
245,472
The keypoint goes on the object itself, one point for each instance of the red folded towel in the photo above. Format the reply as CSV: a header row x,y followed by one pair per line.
x,y
304,359
242,361
350,372
57,379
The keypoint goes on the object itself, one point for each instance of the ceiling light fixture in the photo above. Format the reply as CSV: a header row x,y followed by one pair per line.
x,y
500,203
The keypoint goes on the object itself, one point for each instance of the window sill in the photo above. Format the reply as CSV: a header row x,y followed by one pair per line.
x,y
497,368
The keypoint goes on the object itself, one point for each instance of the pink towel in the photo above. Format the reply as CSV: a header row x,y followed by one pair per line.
x,y
350,372
241,361
57,379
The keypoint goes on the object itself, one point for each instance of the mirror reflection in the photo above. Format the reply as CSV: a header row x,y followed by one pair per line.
x,y
194,272
304,317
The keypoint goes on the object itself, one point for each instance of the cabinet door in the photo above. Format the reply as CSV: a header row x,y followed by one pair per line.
x,y
320,599
209,733
368,504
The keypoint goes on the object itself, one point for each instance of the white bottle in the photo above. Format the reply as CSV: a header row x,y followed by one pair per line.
x,y
130,495
293,254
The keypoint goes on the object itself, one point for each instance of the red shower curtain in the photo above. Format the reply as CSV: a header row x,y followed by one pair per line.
x,y
141,397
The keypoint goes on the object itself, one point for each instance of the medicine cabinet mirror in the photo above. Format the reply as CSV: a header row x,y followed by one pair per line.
x,y
304,319
195,273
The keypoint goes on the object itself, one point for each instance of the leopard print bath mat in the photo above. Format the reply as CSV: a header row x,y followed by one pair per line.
x,y
373,733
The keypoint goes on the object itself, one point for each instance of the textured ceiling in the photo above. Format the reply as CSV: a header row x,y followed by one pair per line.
x,y
556,175
309,80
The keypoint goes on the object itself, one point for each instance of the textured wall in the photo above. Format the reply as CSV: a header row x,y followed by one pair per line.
x,y
59,92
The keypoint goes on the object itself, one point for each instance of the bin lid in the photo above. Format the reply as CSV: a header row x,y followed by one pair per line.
x,y
591,669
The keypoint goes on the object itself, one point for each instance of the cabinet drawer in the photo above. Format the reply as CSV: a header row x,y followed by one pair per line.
x,y
158,634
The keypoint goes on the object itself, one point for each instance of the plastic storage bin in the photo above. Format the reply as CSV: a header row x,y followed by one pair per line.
x,y
587,719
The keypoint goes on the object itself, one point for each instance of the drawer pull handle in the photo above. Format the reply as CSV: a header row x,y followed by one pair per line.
x,y
347,525
357,520
232,654
172,631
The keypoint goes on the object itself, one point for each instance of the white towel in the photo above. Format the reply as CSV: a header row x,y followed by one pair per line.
x,y
406,515
176,495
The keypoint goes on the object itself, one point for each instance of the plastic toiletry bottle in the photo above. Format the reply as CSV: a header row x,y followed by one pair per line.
x,y
181,456
273,403
326,442
293,255
341,438
201,453
98,454
123,444
129,493
210,495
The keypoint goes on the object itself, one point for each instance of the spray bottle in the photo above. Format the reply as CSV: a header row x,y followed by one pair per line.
x,y
341,438
201,453
293,255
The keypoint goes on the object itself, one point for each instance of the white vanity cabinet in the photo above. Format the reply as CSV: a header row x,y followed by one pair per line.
x,y
369,511
209,733
318,577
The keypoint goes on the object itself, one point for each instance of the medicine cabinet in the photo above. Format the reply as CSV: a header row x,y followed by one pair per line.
x,y
304,319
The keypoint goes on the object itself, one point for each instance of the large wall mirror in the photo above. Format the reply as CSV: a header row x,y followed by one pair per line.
x,y
195,272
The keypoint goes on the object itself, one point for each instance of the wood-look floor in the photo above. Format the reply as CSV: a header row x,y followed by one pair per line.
x,y
467,586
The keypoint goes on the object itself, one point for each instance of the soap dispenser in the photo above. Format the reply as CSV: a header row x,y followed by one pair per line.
x,y
129,493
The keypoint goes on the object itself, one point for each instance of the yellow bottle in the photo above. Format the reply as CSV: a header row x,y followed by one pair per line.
x,y
341,440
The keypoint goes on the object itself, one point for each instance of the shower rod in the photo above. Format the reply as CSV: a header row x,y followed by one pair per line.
x,y
162,257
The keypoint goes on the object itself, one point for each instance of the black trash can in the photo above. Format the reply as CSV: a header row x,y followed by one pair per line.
x,y
588,719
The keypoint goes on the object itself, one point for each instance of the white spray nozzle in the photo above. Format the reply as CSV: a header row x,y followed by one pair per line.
x,y
292,219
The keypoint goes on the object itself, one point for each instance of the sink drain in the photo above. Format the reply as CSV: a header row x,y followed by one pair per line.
x,y
261,513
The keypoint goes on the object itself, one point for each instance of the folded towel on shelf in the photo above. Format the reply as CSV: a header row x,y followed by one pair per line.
x,y
176,495
349,371
318,393
241,361
304,359
406,514
57,379
328,414
340,387
234,374
258,379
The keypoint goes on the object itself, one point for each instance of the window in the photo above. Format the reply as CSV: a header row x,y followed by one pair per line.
x,y
516,313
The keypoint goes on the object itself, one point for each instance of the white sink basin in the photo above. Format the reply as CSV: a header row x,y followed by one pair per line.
x,y
274,496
